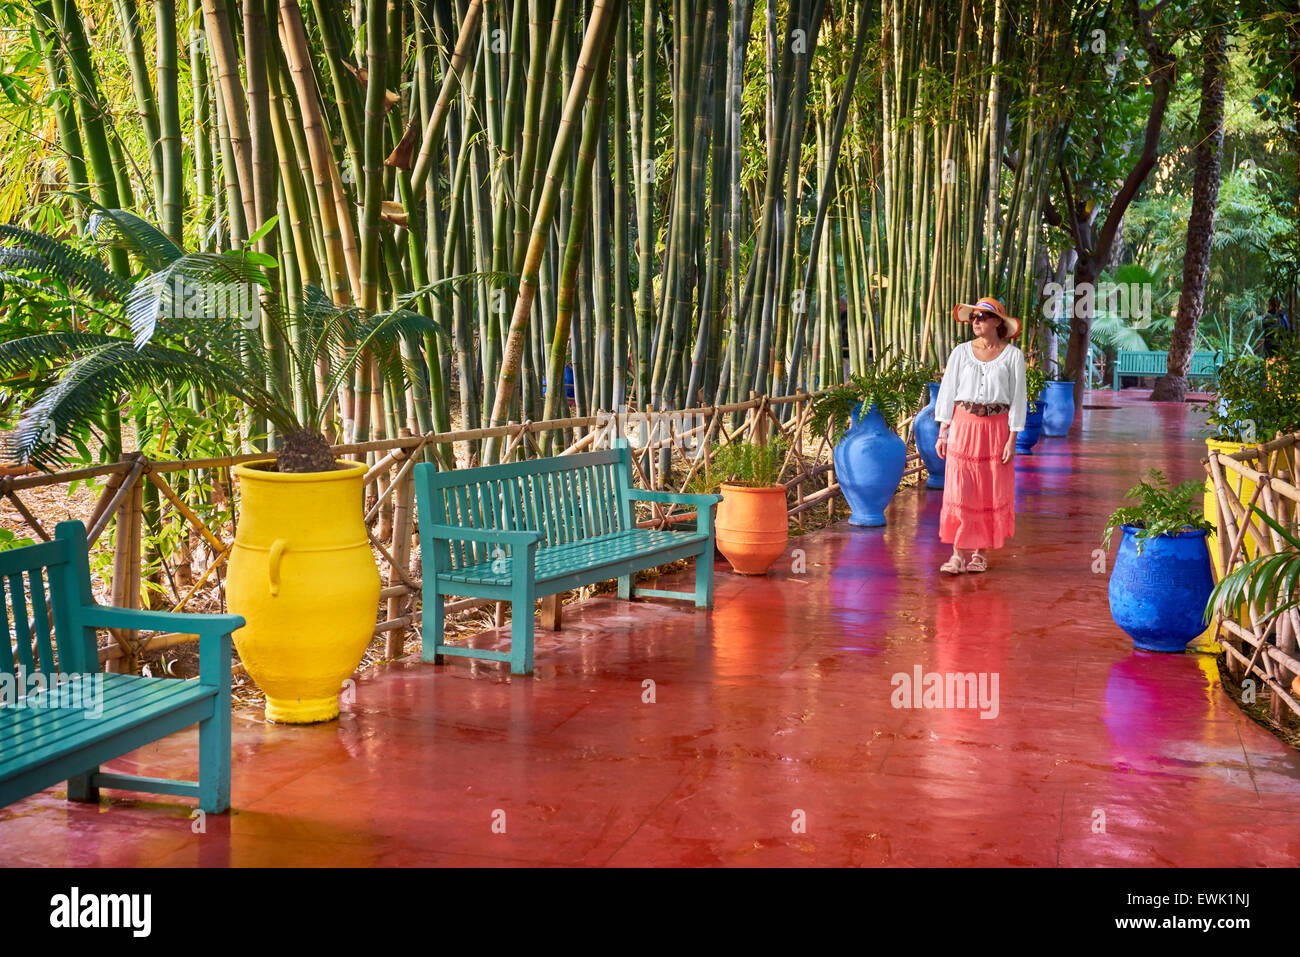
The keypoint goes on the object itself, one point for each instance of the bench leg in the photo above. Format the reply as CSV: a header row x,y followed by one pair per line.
x,y
214,760
704,579
431,636
552,612
80,788
521,628
625,588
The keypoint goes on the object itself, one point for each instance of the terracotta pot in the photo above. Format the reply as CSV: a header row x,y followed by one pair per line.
x,y
752,527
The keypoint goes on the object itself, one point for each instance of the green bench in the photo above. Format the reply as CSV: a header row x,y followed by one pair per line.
x,y
1205,365
60,717
526,530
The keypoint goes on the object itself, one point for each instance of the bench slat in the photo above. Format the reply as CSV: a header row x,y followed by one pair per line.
x,y
72,728
22,634
6,646
592,552
32,727
41,618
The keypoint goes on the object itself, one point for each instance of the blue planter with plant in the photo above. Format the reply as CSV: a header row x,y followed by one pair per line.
x,y
870,458
1162,576
1058,413
1027,437
926,431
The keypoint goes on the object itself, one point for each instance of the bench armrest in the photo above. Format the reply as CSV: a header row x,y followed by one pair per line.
x,y
673,498
489,535
185,623
213,631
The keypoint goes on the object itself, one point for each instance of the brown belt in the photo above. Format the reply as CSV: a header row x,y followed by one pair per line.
x,y
981,408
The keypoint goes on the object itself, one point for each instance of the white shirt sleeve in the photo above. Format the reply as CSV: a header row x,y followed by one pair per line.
x,y
943,405
1016,417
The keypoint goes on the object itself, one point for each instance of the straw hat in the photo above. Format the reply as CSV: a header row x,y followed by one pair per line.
x,y
963,313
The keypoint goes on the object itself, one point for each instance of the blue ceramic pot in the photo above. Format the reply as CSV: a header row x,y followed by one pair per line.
x,y
568,383
1059,413
1027,437
926,431
869,464
1158,597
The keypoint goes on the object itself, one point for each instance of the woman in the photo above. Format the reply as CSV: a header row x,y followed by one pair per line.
x,y
982,398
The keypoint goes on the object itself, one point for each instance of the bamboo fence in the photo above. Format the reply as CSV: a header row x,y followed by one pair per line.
x,y
1265,652
669,450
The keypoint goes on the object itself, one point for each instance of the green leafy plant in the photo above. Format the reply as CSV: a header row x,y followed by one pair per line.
x,y
1161,509
1257,398
743,463
893,385
9,540
1035,383
197,320
1265,580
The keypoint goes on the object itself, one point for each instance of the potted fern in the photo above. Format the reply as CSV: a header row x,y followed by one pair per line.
x,y
869,456
302,573
1162,575
752,525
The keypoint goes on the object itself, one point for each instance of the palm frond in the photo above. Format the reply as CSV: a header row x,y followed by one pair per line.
x,y
43,434
197,285
154,248
380,333
1263,580
50,257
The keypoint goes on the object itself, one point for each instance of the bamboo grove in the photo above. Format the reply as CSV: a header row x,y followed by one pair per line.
x,y
676,201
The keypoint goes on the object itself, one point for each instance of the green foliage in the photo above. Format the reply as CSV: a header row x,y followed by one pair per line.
x,y
1265,582
1035,383
893,385
1258,398
205,321
10,540
748,463
1160,509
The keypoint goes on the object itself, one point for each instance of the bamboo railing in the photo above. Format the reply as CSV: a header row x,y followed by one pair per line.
x,y
687,437
1266,653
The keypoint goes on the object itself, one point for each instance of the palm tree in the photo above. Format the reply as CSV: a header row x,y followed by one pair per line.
x,y
210,321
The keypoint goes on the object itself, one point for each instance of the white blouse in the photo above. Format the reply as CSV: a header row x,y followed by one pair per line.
x,y
968,379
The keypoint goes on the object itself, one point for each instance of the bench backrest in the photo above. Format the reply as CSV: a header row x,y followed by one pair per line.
x,y
42,589
567,498
1151,362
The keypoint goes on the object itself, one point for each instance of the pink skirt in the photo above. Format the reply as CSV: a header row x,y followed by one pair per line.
x,y
979,491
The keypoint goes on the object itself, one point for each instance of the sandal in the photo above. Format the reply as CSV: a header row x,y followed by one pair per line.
x,y
953,566
977,563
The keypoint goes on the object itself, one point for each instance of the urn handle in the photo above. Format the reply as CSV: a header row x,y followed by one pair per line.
x,y
273,564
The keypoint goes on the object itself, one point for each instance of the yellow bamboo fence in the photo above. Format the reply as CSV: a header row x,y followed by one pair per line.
x,y
1262,476
191,488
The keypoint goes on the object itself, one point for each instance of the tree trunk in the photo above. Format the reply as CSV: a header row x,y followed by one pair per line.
x,y
1172,386
1091,260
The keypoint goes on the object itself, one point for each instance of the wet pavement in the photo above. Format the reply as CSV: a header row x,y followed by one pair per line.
x,y
770,731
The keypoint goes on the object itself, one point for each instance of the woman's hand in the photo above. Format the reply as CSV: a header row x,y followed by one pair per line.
x,y
941,445
1009,450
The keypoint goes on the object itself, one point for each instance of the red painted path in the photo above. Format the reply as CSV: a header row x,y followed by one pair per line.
x,y
771,710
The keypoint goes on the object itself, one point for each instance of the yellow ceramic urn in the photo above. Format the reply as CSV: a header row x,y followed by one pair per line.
x,y
304,578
